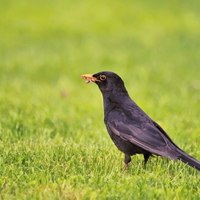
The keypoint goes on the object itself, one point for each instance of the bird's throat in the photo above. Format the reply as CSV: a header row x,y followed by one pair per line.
x,y
113,101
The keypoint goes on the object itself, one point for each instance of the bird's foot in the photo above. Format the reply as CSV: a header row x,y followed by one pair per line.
x,y
126,166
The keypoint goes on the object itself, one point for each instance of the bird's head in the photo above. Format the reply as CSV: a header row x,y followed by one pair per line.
x,y
107,81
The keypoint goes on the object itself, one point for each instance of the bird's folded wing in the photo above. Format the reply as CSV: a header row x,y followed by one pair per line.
x,y
147,137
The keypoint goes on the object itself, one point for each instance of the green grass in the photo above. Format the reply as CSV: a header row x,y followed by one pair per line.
x,y
53,142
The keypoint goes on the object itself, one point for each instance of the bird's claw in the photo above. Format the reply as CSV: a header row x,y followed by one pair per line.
x,y
126,166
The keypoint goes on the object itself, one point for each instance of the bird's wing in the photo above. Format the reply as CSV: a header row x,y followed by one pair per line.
x,y
142,134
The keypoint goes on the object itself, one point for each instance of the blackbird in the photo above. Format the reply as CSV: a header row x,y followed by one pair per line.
x,y
130,128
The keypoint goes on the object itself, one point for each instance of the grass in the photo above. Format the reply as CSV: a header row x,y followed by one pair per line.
x,y
53,142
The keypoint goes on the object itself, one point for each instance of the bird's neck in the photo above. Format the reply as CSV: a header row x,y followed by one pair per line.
x,y
114,100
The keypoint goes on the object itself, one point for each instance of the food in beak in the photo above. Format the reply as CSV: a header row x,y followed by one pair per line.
x,y
89,78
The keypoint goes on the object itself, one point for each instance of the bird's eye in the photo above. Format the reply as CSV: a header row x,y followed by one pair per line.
x,y
102,77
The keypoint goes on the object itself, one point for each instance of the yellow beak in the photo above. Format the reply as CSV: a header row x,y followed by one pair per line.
x,y
89,78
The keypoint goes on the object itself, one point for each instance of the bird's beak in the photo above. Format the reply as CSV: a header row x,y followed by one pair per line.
x,y
89,77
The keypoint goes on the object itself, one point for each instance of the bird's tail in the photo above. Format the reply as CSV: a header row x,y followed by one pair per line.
x,y
184,157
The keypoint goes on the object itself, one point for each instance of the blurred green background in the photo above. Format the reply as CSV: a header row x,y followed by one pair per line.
x,y
45,46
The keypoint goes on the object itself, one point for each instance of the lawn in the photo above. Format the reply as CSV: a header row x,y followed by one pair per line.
x,y
53,141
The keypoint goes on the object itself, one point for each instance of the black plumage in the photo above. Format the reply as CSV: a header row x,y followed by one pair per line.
x,y
130,128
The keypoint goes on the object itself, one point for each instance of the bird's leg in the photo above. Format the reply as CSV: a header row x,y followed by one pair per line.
x,y
127,160
125,166
146,158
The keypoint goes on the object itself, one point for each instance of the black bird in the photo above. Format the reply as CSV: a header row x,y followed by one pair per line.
x,y
130,128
